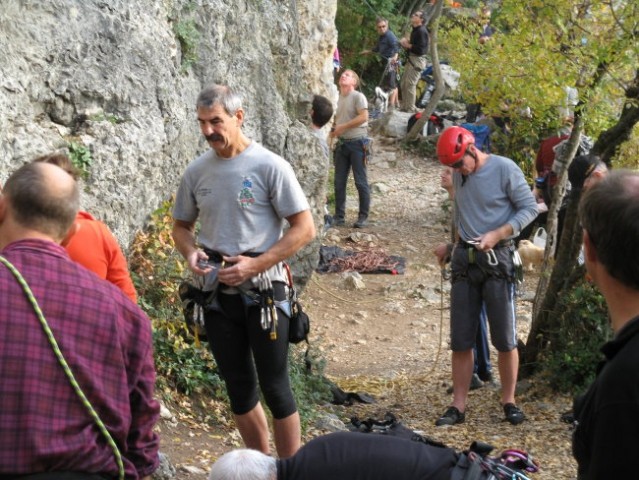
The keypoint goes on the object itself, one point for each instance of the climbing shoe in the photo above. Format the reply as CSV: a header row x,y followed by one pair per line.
x,y
451,416
361,222
513,413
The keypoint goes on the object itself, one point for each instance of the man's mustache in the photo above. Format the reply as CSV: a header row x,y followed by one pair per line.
x,y
214,137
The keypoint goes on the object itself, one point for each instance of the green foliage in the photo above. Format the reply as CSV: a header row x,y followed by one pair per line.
x,y
309,387
80,157
106,117
188,36
539,49
157,269
570,362
355,22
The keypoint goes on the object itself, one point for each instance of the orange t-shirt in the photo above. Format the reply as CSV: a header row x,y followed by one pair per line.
x,y
94,247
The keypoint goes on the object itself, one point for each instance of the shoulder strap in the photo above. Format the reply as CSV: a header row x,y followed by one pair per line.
x,y
65,366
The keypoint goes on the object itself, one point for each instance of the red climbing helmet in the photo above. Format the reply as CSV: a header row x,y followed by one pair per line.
x,y
452,144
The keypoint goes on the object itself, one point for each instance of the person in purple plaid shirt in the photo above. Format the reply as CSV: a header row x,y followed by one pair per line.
x,y
45,429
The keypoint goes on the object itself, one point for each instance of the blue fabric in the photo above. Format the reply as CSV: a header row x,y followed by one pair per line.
x,y
481,133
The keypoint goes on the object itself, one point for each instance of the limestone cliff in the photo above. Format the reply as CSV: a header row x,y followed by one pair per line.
x,y
116,80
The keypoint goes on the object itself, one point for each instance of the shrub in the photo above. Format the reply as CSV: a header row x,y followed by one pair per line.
x,y
584,327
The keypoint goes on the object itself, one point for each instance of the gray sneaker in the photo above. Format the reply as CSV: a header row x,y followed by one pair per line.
x,y
361,222
451,416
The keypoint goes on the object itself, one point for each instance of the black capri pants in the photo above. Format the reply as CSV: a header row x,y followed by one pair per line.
x,y
246,355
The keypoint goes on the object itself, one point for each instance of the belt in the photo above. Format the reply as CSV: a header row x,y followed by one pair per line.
x,y
216,256
349,140
501,244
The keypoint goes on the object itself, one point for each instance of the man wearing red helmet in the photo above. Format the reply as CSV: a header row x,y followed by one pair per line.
x,y
493,203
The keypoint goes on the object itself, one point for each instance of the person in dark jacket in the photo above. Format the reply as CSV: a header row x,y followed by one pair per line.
x,y
343,456
607,416
417,48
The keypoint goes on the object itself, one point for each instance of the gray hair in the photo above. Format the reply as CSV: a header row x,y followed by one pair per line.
x,y
244,464
223,95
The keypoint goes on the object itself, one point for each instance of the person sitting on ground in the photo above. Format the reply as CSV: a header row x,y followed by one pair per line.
x,y
605,439
105,339
321,114
92,244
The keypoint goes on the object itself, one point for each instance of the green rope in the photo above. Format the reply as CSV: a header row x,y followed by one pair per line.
x,y
65,366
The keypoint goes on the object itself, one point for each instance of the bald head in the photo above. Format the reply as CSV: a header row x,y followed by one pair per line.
x,y
43,198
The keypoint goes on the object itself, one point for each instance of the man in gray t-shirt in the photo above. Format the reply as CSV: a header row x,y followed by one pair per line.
x,y
352,149
241,194
493,203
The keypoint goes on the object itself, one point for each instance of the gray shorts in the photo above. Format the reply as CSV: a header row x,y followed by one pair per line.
x,y
474,282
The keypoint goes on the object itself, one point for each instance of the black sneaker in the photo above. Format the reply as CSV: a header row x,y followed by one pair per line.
x,y
361,223
451,416
486,377
513,414
475,382
338,222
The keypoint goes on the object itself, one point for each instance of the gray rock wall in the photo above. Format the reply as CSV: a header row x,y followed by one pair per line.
x,y
120,78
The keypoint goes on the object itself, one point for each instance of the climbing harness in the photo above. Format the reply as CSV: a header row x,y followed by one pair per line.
x,y
492,258
268,315
65,366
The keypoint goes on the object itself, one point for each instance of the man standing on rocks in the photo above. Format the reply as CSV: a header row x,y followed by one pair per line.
x,y
388,49
242,193
493,203
417,47
353,148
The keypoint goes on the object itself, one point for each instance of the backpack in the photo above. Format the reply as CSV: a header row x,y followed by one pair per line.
x,y
392,427
481,133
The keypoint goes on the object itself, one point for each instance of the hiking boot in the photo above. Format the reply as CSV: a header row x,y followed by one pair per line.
x,y
475,382
361,222
338,222
513,413
486,377
451,416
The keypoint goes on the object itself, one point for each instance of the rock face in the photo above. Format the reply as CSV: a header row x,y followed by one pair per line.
x,y
116,81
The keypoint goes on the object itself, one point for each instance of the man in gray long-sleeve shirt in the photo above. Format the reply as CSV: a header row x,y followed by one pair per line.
x,y
493,203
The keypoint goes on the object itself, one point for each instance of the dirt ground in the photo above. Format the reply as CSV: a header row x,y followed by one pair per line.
x,y
390,337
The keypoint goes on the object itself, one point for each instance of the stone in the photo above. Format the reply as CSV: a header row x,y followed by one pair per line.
x,y
121,79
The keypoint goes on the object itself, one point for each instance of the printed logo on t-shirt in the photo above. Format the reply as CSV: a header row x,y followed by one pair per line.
x,y
246,198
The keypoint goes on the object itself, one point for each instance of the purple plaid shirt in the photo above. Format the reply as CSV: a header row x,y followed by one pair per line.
x,y
106,340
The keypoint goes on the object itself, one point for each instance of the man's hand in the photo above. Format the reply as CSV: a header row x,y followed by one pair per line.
x,y
442,253
244,268
488,240
404,43
337,130
198,262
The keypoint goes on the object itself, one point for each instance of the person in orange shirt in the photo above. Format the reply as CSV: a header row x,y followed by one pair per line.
x,y
91,243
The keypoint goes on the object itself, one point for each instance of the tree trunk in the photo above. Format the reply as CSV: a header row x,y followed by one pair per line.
x,y
608,142
433,26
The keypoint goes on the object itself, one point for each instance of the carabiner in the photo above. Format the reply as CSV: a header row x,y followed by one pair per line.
x,y
492,258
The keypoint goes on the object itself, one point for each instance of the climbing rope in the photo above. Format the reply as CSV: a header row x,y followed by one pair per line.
x,y
65,365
